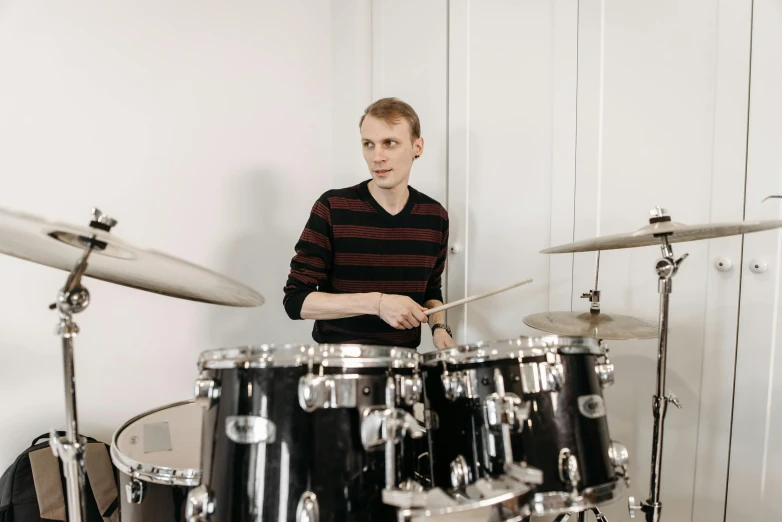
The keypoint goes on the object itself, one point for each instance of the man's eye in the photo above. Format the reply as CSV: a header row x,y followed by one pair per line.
x,y
367,145
391,143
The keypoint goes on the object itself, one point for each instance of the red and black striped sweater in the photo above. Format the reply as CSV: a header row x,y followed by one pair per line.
x,y
351,244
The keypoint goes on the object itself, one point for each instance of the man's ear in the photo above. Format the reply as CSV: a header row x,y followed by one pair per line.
x,y
418,147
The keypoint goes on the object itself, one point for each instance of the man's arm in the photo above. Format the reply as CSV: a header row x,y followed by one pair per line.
x,y
434,295
399,311
440,338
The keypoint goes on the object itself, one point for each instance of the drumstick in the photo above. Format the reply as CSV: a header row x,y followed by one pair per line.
x,y
474,297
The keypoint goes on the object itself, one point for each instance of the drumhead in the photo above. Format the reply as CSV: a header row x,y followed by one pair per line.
x,y
518,348
162,446
327,355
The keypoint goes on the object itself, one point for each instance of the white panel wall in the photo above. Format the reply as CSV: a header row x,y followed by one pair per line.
x,y
662,97
512,72
208,132
756,458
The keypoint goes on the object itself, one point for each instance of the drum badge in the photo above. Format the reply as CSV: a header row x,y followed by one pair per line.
x,y
247,429
591,406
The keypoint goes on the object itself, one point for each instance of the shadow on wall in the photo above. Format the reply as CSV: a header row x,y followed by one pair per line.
x,y
258,256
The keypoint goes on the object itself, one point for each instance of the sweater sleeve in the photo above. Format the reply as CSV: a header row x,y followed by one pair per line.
x,y
434,286
311,265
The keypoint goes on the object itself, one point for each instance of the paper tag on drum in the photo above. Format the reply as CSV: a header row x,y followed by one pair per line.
x,y
248,429
591,406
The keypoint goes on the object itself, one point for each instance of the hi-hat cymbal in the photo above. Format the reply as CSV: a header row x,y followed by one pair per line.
x,y
61,246
676,233
587,324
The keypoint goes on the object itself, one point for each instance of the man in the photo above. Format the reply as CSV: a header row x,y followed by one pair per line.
x,y
370,259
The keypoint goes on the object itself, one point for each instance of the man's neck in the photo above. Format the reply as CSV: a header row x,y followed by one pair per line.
x,y
392,200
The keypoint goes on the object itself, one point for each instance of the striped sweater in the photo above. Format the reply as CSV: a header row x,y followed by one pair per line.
x,y
351,244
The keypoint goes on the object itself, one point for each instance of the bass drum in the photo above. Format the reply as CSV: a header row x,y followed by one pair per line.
x,y
158,455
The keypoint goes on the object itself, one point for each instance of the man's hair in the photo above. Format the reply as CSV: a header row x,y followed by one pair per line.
x,y
392,110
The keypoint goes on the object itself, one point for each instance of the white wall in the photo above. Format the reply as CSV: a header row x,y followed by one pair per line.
x,y
755,477
662,121
208,132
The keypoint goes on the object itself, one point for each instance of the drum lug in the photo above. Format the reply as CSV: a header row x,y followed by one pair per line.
x,y
460,472
545,376
380,425
207,391
408,389
308,509
605,370
328,391
200,505
457,385
568,469
507,409
620,458
135,490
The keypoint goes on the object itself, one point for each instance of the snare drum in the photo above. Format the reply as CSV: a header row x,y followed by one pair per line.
x,y
305,432
158,455
495,408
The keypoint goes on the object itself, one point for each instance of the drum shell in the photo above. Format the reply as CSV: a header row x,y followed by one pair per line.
x,y
319,452
161,502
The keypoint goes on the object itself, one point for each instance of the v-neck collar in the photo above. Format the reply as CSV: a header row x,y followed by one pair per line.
x,y
367,195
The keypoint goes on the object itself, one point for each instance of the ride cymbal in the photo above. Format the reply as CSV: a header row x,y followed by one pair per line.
x,y
61,246
587,324
675,232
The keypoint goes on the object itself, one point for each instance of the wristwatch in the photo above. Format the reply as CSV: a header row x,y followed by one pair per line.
x,y
443,326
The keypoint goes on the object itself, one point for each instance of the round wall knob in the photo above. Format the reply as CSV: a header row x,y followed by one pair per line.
x,y
723,264
758,266
455,248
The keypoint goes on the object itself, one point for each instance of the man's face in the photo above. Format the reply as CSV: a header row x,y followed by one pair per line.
x,y
389,150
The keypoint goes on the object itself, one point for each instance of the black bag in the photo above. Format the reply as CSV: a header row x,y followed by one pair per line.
x,y
34,489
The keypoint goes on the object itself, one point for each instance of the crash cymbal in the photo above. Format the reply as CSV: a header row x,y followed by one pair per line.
x,y
676,233
60,246
587,324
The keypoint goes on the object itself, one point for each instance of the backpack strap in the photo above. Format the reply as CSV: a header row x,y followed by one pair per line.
x,y
48,485
101,474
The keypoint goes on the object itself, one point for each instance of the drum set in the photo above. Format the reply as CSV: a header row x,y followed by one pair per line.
x,y
495,431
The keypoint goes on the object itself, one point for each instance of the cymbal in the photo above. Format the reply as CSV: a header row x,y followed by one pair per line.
x,y
677,233
587,324
61,246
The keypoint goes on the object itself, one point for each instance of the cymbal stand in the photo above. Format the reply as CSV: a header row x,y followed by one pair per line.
x,y
594,295
72,299
666,268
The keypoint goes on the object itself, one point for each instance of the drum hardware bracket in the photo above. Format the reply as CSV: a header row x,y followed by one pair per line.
x,y
200,505
568,470
328,391
342,391
308,509
207,390
605,370
408,389
460,472
458,384
135,490
506,411
72,299
544,376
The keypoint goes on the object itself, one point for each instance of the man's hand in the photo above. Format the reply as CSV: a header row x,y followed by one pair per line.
x,y
442,340
401,312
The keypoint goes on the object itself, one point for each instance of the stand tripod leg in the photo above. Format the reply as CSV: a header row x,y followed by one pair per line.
x,y
71,448
599,517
